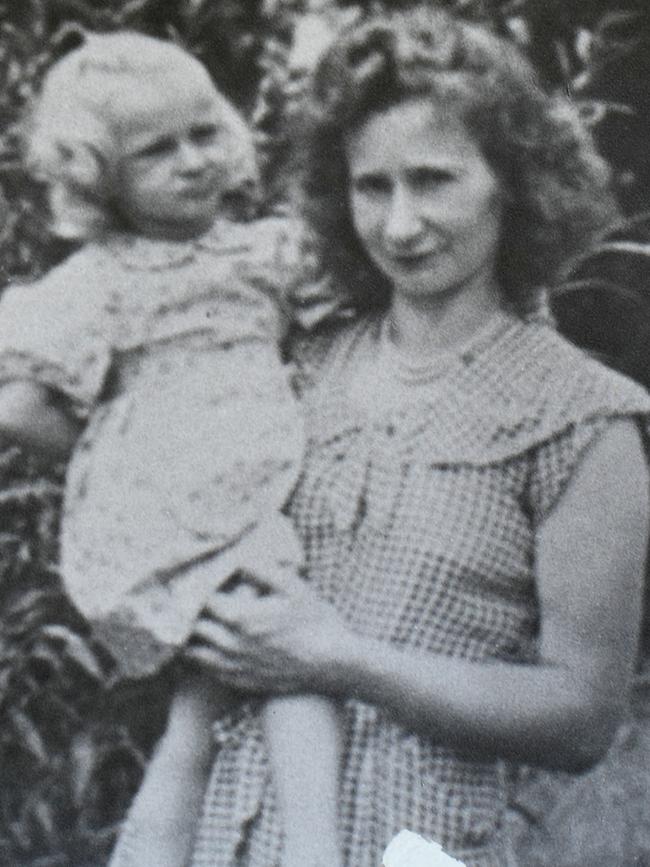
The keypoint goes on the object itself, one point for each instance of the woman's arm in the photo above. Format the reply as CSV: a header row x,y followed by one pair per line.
x,y
559,713
32,417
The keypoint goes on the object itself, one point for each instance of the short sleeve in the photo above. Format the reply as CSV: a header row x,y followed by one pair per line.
x,y
554,462
51,333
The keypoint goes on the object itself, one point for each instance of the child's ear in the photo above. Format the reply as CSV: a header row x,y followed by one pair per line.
x,y
76,216
82,166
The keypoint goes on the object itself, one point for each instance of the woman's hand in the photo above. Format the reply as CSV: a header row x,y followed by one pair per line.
x,y
278,642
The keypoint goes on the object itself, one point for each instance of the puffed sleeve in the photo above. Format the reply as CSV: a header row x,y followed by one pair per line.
x,y
52,331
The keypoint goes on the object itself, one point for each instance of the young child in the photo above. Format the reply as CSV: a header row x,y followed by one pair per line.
x,y
161,335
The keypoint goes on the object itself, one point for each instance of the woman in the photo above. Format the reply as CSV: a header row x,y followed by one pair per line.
x,y
473,503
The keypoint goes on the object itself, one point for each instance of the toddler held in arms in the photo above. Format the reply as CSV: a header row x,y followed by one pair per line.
x,y
151,355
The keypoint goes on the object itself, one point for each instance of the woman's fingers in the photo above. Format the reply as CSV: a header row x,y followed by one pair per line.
x,y
274,642
245,612
229,608
226,672
232,673
215,634
208,657
284,579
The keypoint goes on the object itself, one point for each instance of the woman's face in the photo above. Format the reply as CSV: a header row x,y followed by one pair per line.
x,y
424,201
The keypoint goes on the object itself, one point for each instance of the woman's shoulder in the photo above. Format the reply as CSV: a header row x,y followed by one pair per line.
x,y
538,385
524,387
566,379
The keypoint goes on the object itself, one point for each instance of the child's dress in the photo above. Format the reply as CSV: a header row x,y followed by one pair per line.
x,y
193,439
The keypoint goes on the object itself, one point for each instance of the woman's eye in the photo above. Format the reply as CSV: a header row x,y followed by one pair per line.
x,y
428,178
371,185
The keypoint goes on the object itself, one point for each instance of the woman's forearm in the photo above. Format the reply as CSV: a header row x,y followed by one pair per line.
x,y
537,714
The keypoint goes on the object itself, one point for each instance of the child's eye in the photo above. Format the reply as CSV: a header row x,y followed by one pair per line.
x,y
157,148
203,134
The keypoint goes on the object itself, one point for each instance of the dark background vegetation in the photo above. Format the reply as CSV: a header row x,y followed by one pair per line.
x,y
72,746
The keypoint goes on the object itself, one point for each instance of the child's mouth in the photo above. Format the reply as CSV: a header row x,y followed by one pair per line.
x,y
203,190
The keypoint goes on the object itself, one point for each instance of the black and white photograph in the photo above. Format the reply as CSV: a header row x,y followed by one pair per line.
x,y
324,433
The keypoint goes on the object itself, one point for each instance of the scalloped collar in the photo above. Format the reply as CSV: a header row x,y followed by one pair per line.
x,y
522,386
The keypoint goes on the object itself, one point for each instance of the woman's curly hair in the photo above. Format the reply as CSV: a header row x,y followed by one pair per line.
x,y
555,188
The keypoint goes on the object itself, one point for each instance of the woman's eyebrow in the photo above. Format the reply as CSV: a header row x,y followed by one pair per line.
x,y
438,165
368,173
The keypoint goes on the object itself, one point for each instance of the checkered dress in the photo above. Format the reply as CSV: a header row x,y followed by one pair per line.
x,y
419,524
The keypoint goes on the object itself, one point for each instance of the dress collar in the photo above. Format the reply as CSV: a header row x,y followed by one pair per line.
x,y
521,384
138,253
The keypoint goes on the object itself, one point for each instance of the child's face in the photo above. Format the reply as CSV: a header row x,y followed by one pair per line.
x,y
170,177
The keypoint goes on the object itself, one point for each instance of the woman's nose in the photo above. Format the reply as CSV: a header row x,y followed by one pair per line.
x,y
191,157
403,221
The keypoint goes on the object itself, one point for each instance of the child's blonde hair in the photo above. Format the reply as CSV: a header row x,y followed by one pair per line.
x,y
73,132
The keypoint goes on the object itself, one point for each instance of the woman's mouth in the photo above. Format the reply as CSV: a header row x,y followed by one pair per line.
x,y
412,261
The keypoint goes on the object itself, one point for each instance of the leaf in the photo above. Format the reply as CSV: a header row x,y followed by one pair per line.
x,y
28,736
44,663
43,814
24,615
76,649
28,493
83,759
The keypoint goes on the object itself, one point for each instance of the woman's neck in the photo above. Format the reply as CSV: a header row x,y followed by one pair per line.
x,y
424,327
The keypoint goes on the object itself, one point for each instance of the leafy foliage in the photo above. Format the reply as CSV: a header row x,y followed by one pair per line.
x,y
68,771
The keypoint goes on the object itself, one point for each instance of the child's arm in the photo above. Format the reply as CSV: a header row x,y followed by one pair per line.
x,y
55,352
304,741
31,416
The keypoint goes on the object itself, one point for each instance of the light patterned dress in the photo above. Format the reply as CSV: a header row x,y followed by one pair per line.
x,y
418,520
194,439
